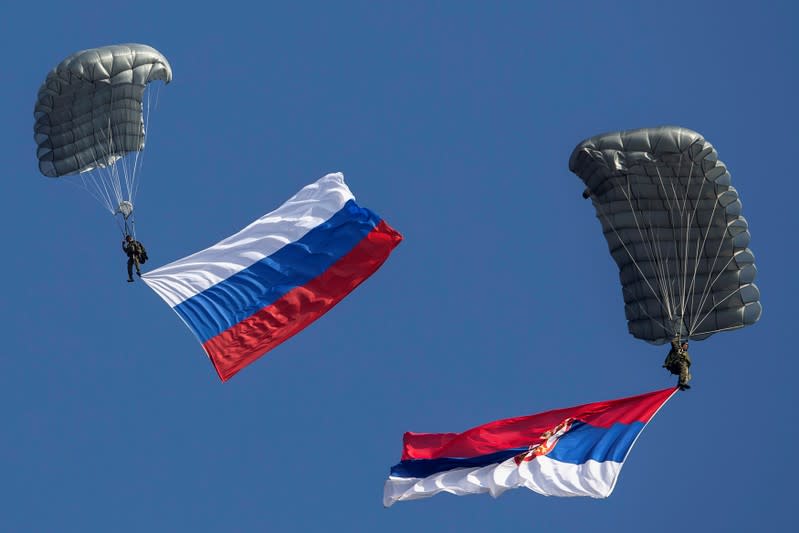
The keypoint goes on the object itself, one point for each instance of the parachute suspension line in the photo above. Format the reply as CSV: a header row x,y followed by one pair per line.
x,y
696,310
95,191
688,311
660,278
674,212
711,331
700,253
602,212
112,169
691,307
112,180
133,185
101,186
119,168
132,182
661,262
732,293
661,267
113,166
689,280
98,189
710,285
630,255
103,172
121,171
677,211
671,208
106,171
692,221
652,253
689,217
644,311
672,288
144,134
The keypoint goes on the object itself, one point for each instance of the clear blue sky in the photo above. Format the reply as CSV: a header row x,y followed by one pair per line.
x,y
454,121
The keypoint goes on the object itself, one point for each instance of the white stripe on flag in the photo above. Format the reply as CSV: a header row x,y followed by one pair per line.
x,y
310,207
543,475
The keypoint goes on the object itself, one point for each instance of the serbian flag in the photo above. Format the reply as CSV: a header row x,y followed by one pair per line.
x,y
253,290
576,451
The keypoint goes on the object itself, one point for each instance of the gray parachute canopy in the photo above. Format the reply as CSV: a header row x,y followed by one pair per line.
x,y
89,109
674,227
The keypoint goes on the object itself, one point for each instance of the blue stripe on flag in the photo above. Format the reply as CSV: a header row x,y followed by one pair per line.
x,y
238,297
600,444
421,468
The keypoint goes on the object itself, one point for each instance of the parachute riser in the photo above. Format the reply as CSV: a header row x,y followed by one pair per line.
x,y
125,219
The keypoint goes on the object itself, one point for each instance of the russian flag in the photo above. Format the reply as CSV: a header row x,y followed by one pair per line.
x,y
255,289
576,451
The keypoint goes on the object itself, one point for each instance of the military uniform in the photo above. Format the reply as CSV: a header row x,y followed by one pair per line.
x,y
678,363
136,255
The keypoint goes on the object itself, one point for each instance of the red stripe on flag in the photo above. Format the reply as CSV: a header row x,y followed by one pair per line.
x,y
240,345
523,431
